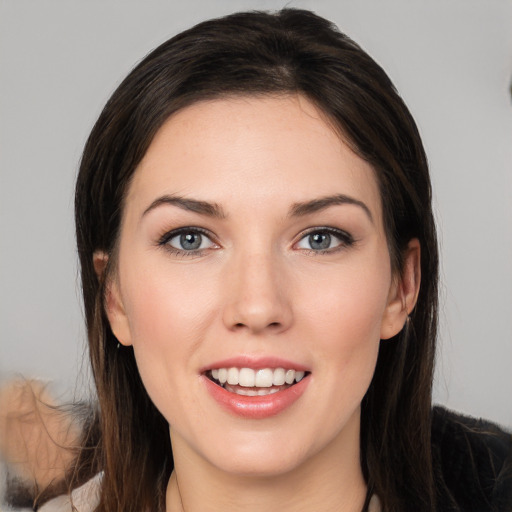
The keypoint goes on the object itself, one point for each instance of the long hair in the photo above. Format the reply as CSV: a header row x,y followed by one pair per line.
x,y
289,52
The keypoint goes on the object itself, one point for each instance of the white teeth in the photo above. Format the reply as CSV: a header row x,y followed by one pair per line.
x,y
247,392
223,375
252,392
246,377
278,378
233,376
263,378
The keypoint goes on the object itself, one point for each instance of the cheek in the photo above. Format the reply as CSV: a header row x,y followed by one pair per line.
x,y
163,305
169,316
349,305
344,316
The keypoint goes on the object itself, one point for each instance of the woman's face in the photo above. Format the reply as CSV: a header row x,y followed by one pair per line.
x,y
252,249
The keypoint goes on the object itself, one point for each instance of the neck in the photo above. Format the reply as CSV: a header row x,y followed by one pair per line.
x,y
329,481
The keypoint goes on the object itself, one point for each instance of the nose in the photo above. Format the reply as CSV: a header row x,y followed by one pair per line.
x,y
257,296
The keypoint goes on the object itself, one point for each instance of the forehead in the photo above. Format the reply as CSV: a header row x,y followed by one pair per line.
x,y
252,150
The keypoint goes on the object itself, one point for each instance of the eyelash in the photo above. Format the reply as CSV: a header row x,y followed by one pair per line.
x,y
167,237
345,240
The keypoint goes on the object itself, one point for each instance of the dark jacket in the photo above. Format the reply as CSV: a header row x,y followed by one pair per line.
x,y
472,463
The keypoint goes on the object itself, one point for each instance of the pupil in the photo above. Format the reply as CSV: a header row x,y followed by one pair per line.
x,y
190,241
320,241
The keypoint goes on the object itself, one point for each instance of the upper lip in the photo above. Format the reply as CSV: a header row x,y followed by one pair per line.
x,y
256,363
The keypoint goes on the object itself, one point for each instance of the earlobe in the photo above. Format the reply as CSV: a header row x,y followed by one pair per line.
x,y
403,293
114,307
116,313
100,260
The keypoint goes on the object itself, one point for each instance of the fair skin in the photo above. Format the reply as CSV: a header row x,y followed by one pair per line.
x,y
280,261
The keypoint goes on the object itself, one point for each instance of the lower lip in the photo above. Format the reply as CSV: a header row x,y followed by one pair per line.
x,y
256,407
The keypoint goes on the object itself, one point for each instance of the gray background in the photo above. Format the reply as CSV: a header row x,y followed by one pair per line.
x,y
450,59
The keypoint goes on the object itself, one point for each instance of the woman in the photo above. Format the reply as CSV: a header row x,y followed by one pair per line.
x,y
254,220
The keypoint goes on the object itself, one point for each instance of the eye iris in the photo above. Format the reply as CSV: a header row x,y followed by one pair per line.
x,y
190,241
320,241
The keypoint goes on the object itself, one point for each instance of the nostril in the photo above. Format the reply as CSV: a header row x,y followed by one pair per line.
x,y
272,325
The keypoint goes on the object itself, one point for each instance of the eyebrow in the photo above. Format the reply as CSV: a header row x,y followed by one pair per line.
x,y
316,205
192,205
297,209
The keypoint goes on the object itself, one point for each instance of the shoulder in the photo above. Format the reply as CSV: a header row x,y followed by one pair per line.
x,y
472,463
83,499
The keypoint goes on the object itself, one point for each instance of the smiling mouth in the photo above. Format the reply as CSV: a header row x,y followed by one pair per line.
x,y
249,382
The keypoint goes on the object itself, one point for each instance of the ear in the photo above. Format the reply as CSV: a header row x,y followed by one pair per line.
x,y
114,306
100,260
403,292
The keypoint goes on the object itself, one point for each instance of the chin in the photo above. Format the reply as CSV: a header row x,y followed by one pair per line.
x,y
261,455
262,466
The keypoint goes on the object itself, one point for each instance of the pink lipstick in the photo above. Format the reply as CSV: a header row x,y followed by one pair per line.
x,y
255,387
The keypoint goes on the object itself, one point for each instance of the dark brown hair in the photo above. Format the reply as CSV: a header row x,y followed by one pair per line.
x,y
292,51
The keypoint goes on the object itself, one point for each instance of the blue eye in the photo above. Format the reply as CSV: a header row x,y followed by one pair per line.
x,y
325,240
187,240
